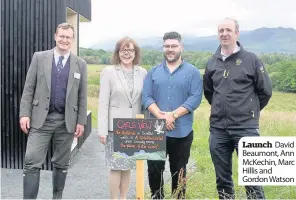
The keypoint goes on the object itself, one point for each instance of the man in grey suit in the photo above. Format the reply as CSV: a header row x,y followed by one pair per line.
x,y
53,106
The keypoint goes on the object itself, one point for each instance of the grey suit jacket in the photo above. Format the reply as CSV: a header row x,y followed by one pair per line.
x,y
115,100
36,94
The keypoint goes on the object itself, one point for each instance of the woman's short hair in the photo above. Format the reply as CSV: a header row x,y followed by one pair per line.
x,y
125,42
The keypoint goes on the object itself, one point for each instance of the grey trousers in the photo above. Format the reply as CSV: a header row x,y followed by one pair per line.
x,y
38,143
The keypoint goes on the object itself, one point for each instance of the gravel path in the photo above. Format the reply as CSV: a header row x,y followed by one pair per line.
x,y
87,178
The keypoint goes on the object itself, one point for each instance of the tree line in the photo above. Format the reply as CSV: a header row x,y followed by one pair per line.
x,y
148,57
281,67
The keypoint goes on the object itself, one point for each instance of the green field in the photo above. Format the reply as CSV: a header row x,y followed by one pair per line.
x,y
277,119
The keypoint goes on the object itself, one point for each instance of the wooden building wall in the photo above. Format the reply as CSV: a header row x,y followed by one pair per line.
x,y
27,26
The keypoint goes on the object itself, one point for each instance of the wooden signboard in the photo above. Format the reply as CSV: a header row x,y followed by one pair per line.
x,y
140,139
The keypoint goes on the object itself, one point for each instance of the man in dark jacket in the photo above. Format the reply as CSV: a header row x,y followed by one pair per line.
x,y
238,87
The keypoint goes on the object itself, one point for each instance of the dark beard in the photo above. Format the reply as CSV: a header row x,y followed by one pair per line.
x,y
177,56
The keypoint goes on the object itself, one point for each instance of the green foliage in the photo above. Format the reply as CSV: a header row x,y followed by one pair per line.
x,y
281,67
283,76
198,59
148,57
269,59
92,56
151,57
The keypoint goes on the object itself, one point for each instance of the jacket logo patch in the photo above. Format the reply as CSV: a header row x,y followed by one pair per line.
x,y
238,61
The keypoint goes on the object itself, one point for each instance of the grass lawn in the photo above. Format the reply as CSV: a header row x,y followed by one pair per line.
x,y
277,119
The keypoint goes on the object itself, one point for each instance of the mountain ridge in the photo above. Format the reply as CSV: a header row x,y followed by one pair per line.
x,y
261,40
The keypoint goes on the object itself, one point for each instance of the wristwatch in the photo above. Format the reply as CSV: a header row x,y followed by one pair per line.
x,y
175,115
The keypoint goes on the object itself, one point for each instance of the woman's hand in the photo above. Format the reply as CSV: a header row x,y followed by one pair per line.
x,y
102,139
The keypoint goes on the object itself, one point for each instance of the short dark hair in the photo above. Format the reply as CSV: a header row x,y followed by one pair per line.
x,y
172,35
125,42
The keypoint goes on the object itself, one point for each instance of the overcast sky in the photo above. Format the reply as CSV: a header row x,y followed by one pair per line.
x,y
112,19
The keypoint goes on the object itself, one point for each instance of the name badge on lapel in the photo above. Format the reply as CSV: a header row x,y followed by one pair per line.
x,y
76,75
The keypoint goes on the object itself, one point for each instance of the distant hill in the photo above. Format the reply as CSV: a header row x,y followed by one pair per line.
x,y
261,40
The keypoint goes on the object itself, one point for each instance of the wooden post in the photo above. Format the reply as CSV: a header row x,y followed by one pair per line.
x,y
140,173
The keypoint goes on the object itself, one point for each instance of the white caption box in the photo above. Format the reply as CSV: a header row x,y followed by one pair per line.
x,y
267,161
